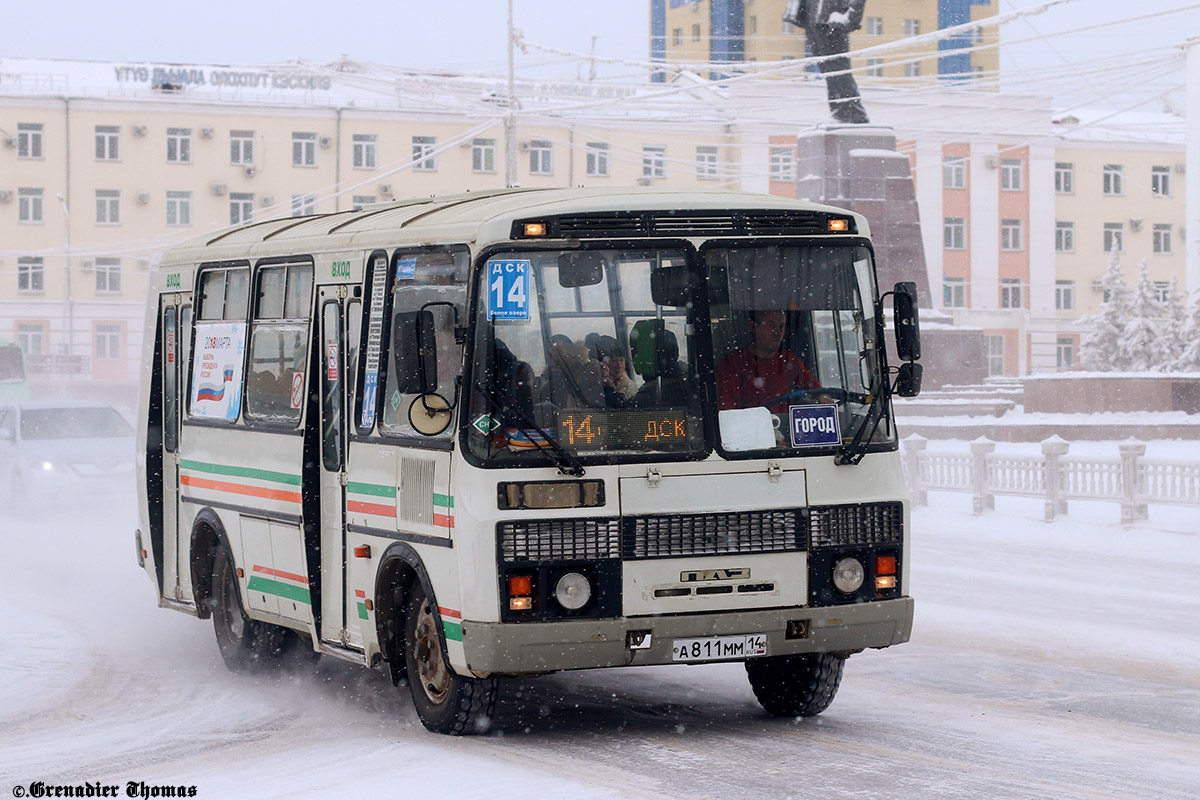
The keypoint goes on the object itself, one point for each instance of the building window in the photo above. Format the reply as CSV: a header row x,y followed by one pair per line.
x,y
1114,237
179,208
1162,291
912,27
955,233
108,143
783,164
540,158
706,162
676,36
874,67
241,148
696,32
1162,239
1064,295
654,161
954,172
1064,177
108,341
912,69
422,153
954,293
31,337
29,140
108,276
874,26
29,206
361,200
241,207
1011,237
304,205
994,346
483,155
108,207
31,274
1010,293
304,149
1114,179
1012,178
1064,237
1160,181
179,145
597,160
1064,348
364,150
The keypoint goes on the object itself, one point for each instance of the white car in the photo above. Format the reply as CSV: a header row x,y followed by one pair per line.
x,y
60,451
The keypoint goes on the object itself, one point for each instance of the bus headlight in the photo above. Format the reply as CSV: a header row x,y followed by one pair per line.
x,y
848,575
573,591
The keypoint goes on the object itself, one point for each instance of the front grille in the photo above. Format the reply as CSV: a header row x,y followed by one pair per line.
x,y
693,224
587,226
558,540
713,534
855,525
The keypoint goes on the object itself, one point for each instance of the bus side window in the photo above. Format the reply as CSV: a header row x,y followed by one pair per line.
x,y
279,343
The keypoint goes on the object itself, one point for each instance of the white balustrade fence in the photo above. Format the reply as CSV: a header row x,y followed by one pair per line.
x,y
1131,479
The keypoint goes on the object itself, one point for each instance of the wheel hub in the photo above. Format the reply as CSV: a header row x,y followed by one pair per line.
x,y
431,667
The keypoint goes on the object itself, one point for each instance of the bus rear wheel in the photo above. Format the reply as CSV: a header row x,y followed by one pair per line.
x,y
246,645
795,686
446,702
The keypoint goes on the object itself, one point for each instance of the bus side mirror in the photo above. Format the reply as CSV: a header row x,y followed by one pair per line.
x,y
908,380
414,352
904,317
671,286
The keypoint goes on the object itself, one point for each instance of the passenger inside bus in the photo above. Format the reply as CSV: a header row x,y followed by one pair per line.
x,y
656,358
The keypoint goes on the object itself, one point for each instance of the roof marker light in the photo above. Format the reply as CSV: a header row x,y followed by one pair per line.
x,y
838,225
535,229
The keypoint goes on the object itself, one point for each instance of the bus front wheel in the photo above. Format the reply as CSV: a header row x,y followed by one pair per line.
x,y
245,644
795,686
446,702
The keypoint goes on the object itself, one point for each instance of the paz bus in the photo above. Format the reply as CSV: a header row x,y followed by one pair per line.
x,y
465,437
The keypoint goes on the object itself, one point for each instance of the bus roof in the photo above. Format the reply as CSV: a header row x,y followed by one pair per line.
x,y
480,217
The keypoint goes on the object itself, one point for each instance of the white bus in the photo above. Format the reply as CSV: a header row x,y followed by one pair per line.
x,y
522,431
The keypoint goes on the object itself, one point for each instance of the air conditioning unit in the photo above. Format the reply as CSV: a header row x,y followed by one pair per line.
x,y
249,171
206,133
10,141
143,198
87,265
385,190
524,147
1180,168
139,130
643,181
143,263
219,189
1135,224
991,162
6,195
268,200
326,142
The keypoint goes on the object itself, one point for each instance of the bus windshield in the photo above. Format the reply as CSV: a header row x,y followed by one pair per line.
x,y
586,353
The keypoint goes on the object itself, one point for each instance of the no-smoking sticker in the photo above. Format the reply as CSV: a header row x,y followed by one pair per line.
x,y
297,389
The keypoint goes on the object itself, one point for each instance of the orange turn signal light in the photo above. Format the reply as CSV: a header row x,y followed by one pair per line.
x,y
520,603
535,229
362,551
885,582
838,225
519,585
885,565
240,572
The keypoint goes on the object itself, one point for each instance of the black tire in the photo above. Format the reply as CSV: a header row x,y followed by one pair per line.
x,y
446,702
246,645
795,686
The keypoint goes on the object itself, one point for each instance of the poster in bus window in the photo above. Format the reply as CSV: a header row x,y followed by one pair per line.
x,y
217,370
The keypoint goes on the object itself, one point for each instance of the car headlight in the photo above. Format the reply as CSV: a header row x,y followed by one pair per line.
x,y
848,575
573,591
48,466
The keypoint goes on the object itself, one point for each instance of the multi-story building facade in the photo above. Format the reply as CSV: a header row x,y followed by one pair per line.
x,y
734,31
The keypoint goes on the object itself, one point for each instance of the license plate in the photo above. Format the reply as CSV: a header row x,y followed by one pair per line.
x,y
712,648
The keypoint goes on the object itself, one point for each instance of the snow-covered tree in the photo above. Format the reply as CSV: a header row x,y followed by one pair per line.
x,y
1143,330
1103,350
1189,358
1174,331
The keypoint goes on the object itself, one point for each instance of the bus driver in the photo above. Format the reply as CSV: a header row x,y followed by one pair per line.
x,y
763,371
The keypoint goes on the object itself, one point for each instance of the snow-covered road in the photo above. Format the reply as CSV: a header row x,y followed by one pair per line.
x,y
1048,660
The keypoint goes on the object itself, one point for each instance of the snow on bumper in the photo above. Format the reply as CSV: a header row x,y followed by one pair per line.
x,y
492,647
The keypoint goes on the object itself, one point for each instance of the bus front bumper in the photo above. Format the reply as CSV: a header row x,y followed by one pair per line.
x,y
531,647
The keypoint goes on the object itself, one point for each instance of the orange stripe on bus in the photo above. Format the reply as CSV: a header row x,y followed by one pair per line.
x,y
371,508
449,612
235,488
281,574
443,520
359,593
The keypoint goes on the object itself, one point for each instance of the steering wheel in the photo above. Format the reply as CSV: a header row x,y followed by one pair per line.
x,y
799,394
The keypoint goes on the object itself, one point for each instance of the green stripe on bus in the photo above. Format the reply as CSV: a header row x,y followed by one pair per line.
x,y
371,488
241,472
362,611
444,500
279,589
453,630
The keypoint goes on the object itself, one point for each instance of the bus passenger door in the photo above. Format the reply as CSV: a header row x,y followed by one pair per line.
x,y
332,382
176,326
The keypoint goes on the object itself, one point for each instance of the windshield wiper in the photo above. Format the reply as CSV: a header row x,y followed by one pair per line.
x,y
853,452
567,462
